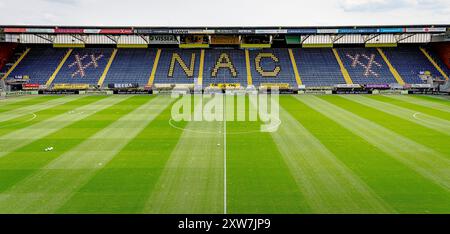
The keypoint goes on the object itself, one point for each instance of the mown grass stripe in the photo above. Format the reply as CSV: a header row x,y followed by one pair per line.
x,y
328,185
17,99
412,106
30,109
425,161
11,103
434,98
126,182
49,188
258,179
410,129
24,136
402,188
192,181
29,158
431,122
30,119
430,103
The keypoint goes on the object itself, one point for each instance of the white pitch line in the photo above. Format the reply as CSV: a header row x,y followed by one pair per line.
x,y
224,156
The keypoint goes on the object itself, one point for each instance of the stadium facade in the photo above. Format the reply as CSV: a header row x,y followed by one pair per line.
x,y
356,59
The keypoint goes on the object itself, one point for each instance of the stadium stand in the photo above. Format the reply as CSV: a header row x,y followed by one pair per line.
x,y
39,64
225,66
410,62
178,66
318,67
271,66
366,66
131,66
84,66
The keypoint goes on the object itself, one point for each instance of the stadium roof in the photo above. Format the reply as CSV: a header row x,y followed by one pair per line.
x,y
226,30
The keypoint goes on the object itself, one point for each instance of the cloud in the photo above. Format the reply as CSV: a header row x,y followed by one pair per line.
x,y
374,5
391,5
68,2
219,13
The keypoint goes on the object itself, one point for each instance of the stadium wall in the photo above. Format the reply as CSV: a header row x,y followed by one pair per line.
x,y
443,51
6,51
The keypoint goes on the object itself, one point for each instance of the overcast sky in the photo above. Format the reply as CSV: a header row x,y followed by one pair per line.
x,y
223,12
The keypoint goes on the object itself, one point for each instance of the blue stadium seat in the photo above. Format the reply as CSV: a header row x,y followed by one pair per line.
x,y
84,66
318,67
174,73
409,62
366,66
39,64
275,67
234,72
131,66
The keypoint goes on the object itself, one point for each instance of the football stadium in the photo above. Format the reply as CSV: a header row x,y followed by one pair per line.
x,y
169,120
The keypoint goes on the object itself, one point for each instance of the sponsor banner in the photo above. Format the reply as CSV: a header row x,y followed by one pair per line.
x,y
425,30
30,86
279,85
192,31
421,86
325,45
59,92
180,31
352,92
79,45
116,31
163,39
348,86
377,86
358,30
15,30
256,46
246,31
227,31
319,88
123,86
139,46
92,31
42,86
378,45
392,30
25,77
199,31
398,86
153,31
224,40
293,40
132,92
271,31
225,85
69,30
40,30
302,31
198,45
327,31
70,86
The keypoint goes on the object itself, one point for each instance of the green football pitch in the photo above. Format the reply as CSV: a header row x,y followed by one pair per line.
x,y
122,154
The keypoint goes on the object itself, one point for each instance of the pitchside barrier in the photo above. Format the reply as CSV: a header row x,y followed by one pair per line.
x,y
72,89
